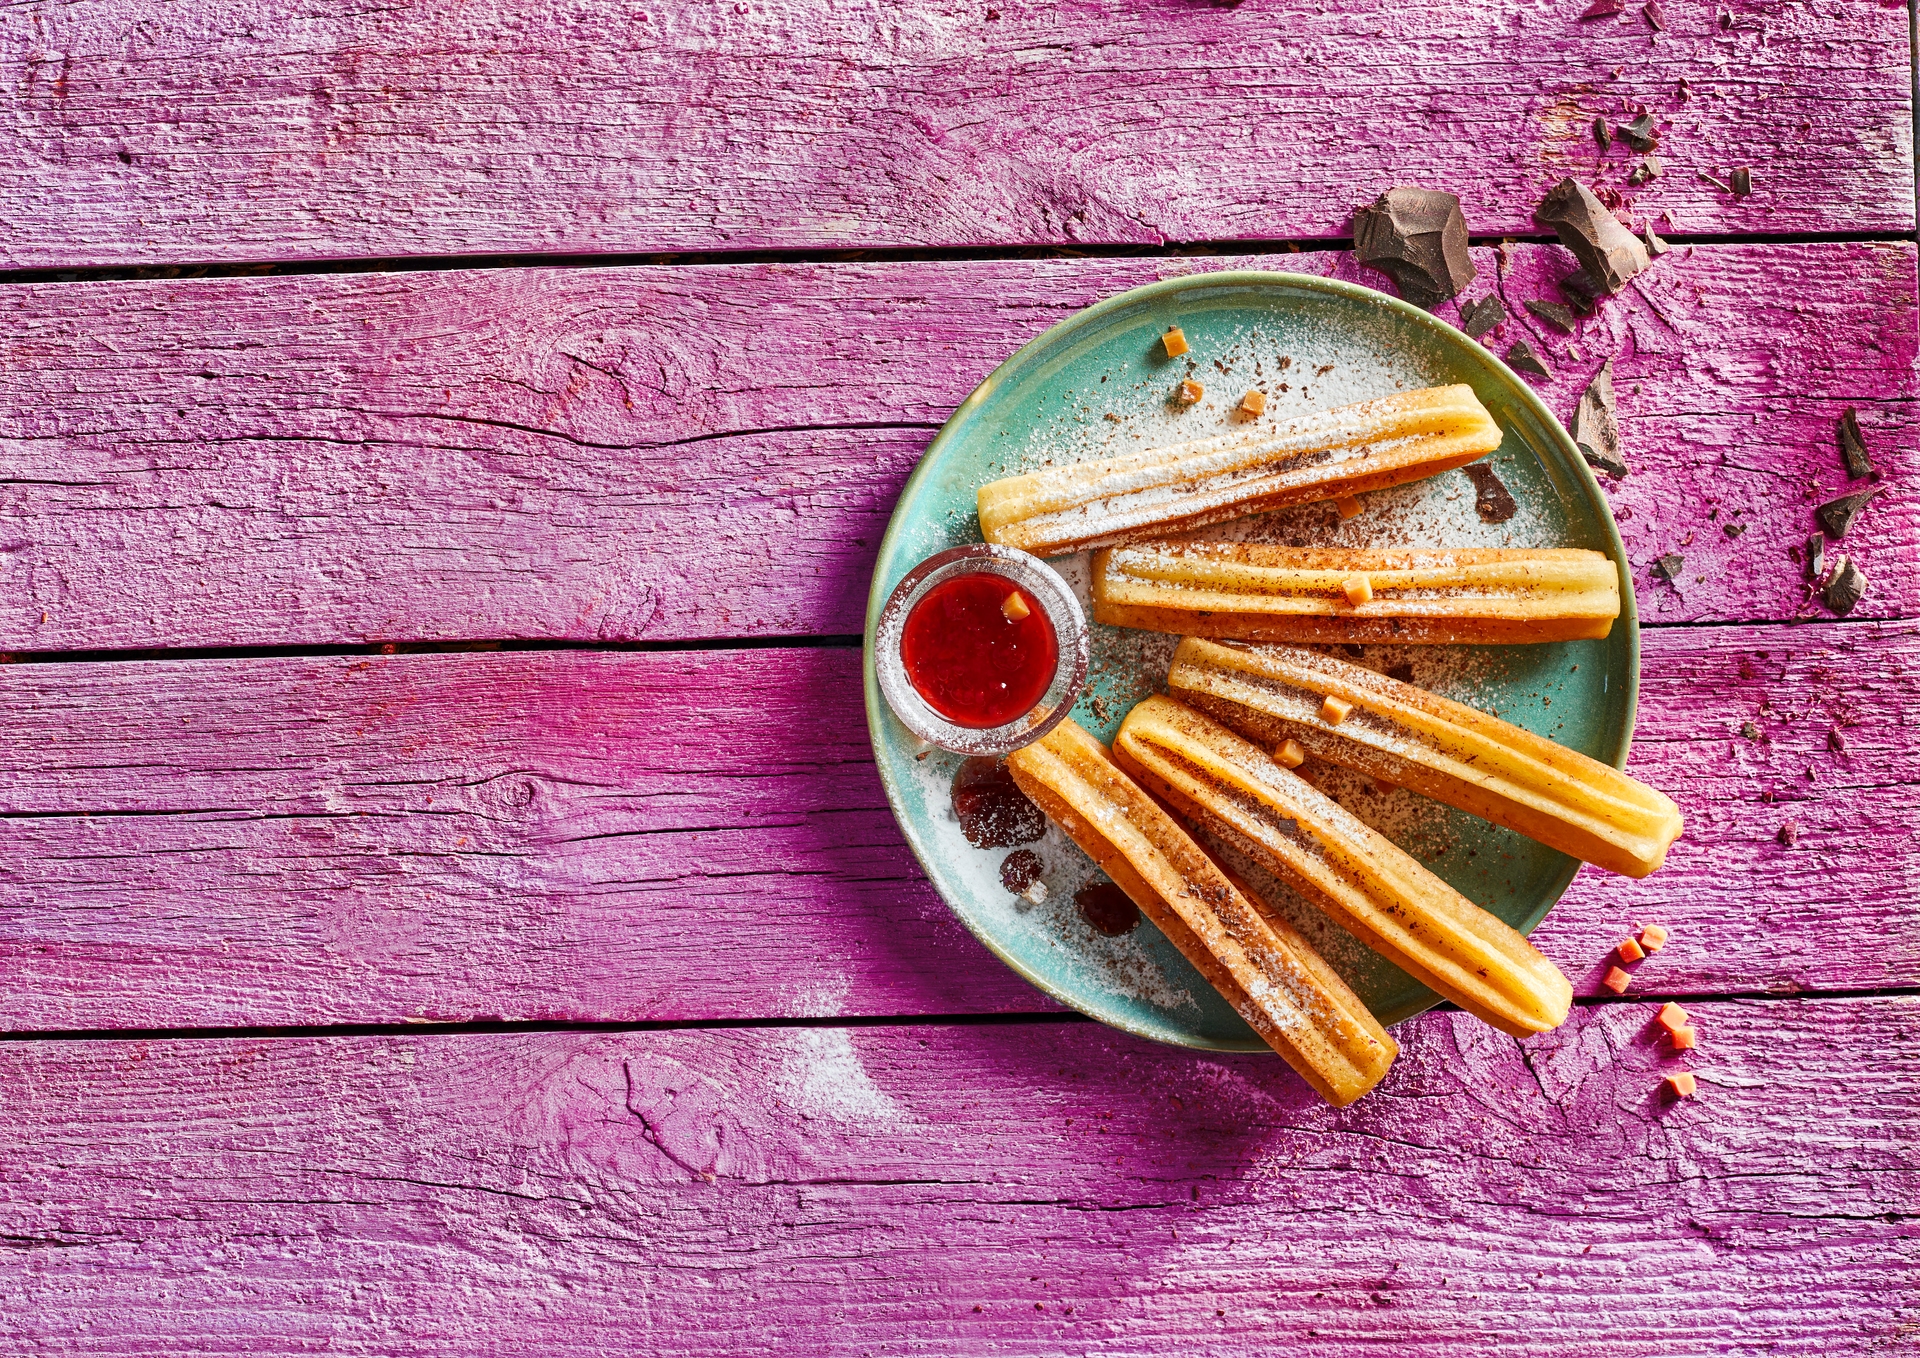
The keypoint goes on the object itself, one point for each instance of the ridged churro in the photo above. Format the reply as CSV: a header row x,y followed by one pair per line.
x,y
1321,456
1442,749
1253,591
1230,788
1266,970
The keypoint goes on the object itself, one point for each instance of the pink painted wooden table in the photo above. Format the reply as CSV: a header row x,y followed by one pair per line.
x,y
446,904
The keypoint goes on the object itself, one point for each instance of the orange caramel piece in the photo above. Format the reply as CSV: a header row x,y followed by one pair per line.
x,y
1671,1017
1290,755
1253,403
1684,1038
1358,589
1334,710
1616,980
1653,938
1175,341
1680,1084
1348,505
1628,951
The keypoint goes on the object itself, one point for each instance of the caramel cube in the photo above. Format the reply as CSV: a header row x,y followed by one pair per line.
x,y
1628,951
1290,755
1175,341
1348,505
1358,589
1334,710
1253,403
1188,392
1653,938
1684,1038
1616,980
1015,608
1680,1084
1671,1017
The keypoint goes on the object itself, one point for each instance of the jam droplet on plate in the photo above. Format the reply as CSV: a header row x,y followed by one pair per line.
x,y
1020,870
979,649
1107,908
994,813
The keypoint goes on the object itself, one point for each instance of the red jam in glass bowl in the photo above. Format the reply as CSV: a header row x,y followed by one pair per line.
x,y
979,649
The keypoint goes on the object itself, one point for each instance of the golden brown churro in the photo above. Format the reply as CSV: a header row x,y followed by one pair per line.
x,y
1251,591
1266,970
1437,747
1231,789
1320,456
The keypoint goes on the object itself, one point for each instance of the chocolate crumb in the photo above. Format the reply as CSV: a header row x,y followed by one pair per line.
x,y
1608,252
1655,246
1837,516
1668,567
1848,586
1749,730
1601,134
1604,9
1656,17
1551,314
1816,556
1596,427
1478,317
1717,182
1418,238
1650,168
1580,291
1639,134
1020,870
1789,834
1733,530
1521,358
1741,182
1853,448
1836,742
1492,500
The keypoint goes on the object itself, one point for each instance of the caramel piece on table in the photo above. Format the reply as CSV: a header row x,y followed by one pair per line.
x,y
1232,790
1671,1016
1628,951
1433,746
1684,1038
1255,591
1653,938
1616,980
1680,1085
1320,456
1266,970
1174,341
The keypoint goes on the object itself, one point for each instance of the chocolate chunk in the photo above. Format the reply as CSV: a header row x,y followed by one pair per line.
x,y
1404,673
1853,448
1733,530
1607,251
994,813
1789,834
1816,556
1848,585
1107,908
1655,246
1020,870
1418,238
1837,516
1492,500
1639,134
1836,742
1656,17
1604,9
1479,317
1668,567
1551,313
1602,135
1580,292
1596,428
1521,358
1741,182
1650,168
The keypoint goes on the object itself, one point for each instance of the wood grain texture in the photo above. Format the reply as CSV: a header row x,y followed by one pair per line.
x,y
269,130
564,835
953,1190
714,451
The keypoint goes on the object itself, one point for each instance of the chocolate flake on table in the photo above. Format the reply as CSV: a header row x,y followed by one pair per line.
x,y
1816,556
1107,908
1580,291
1639,134
1477,318
1492,500
1789,834
1596,427
1740,182
1837,516
1847,587
1836,742
1418,238
1551,314
1604,9
1714,180
1650,168
1655,246
1853,448
1602,135
1020,870
994,813
1656,17
1521,358
1733,530
1609,254
1668,567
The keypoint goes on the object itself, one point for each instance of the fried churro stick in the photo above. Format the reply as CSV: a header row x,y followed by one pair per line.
x,y
1231,789
1267,971
1437,747
1309,457
1252,591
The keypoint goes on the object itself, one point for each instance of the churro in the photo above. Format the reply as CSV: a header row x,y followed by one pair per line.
x,y
1321,456
1233,791
1252,591
1266,970
1436,747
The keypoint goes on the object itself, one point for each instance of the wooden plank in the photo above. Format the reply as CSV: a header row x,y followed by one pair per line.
x,y
714,451
956,1190
270,131
565,835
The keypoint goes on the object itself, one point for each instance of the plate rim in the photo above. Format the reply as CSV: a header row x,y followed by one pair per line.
x,y
1095,313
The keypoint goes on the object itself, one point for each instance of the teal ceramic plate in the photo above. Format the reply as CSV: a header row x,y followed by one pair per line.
x,y
1096,385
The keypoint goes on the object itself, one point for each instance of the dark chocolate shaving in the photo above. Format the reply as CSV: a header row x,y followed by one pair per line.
x,y
1656,16
1596,427
1836,742
1668,567
1741,182
1837,516
1655,246
1521,358
1853,448
1551,314
1580,292
1816,556
1714,180
1477,318
1639,134
1847,588
1650,168
1602,135
1608,252
1604,9
1418,238
1493,502
1733,530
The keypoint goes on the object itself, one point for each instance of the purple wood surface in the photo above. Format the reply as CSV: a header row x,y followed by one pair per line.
x,y
271,130
714,451
952,1190
560,835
